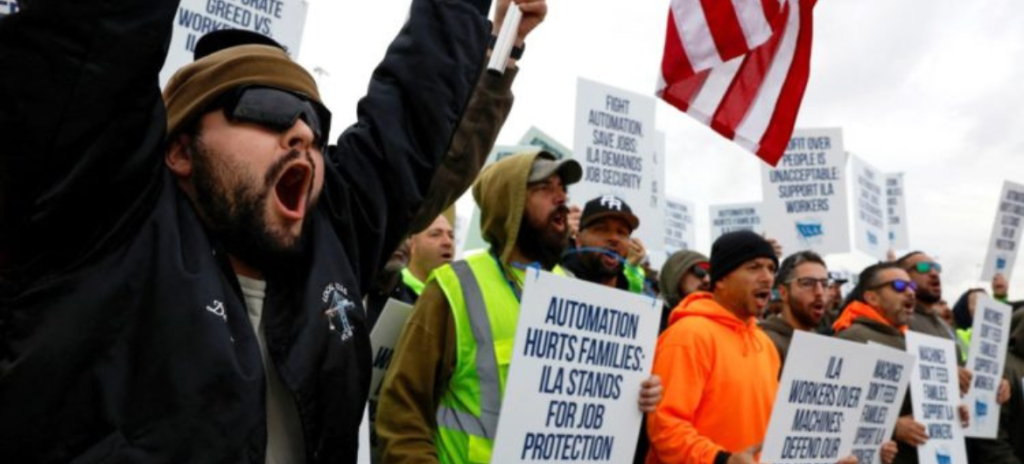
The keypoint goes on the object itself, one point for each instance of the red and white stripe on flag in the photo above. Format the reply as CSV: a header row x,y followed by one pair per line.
x,y
739,66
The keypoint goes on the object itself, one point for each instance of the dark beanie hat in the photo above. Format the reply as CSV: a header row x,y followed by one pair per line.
x,y
733,249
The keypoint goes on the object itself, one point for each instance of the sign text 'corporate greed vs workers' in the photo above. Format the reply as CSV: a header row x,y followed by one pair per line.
x,y
8,7
805,204
281,20
581,352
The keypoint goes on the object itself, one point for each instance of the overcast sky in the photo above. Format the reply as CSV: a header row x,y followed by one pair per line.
x,y
932,88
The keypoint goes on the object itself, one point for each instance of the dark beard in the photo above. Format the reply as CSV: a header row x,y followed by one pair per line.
x,y
540,243
593,261
236,215
803,316
927,297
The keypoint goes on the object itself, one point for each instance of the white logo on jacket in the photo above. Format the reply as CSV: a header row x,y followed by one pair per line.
x,y
338,304
217,309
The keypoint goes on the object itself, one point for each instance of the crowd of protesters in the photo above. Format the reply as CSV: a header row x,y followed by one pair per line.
x,y
192,275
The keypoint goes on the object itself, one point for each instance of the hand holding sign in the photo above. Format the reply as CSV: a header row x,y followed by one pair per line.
x,y
533,11
650,394
910,431
745,456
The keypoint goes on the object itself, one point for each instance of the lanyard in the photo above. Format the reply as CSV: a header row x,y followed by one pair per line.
x,y
511,285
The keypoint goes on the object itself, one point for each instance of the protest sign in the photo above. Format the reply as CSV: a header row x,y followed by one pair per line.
x,y
805,205
990,336
383,339
8,7
581,352
656,251
535,137
733,217
935,396
281,20
679,232
1002,246
615,144
899,233
885,393
819,400
871,219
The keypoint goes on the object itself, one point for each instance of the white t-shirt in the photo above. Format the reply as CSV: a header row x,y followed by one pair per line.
x,y
285,443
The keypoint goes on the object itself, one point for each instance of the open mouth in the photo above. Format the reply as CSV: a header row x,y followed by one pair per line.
x,y
818,309
447,256
558,221
762,297
292,189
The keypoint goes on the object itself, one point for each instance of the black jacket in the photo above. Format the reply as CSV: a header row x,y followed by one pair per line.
x,y
123,332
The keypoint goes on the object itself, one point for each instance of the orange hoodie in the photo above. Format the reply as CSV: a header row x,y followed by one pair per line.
x,y
720,376
856,310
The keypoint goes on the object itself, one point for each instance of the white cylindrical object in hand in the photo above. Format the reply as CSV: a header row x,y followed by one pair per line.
x,y
506,38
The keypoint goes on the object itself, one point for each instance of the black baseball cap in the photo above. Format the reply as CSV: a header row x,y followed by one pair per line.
x,y
608,206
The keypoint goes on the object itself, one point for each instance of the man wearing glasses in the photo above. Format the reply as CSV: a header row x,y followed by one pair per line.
x,y
803,285
182,276
925,273
881,314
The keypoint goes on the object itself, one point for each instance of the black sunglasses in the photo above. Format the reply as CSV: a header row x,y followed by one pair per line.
x,y
899,285
700,270
276,109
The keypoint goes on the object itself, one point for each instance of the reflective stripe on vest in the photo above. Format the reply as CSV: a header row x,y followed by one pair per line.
x,y
485,312
486,363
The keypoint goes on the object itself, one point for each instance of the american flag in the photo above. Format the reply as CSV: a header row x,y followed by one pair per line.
x,y
739,66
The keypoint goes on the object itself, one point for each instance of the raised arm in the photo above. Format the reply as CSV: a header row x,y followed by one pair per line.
x,y
82,124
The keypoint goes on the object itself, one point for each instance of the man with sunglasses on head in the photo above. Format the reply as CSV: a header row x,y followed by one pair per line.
x,y
802,283
182,277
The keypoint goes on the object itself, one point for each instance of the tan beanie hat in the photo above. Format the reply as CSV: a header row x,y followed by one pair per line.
x,y
195,86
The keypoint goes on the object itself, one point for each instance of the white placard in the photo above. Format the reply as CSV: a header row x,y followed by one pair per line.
x,y
679,231
870,208
885,393
615,143
281,20
535,137
899,233
805,205
383,339
8,7
819,401
733,217
657,251
935,396
581,351
1005,240
990,337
